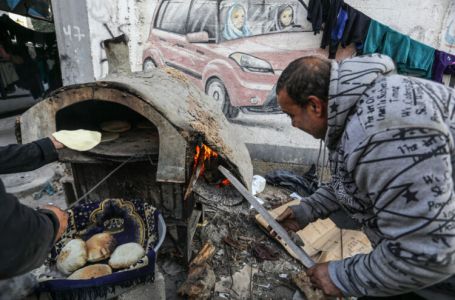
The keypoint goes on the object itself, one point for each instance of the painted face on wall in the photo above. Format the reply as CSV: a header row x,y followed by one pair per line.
x,y
286,17
238,17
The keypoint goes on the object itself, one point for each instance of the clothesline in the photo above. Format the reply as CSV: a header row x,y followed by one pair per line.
x,y
345,25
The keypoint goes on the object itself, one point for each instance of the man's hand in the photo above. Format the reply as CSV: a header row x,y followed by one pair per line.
x,y
319,277
57,144
62,217
288,221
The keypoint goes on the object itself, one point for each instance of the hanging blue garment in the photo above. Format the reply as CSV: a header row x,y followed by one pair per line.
x,y
338,30
13,3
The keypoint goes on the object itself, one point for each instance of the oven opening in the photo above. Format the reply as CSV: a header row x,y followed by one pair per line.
x,y
125,133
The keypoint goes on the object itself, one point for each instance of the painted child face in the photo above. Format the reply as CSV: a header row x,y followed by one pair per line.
x,y
286,17
238,18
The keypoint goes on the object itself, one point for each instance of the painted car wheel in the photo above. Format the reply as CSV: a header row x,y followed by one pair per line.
x,y
217,90
148,65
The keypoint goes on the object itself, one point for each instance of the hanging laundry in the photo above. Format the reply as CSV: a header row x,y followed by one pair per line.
x,y
396,45
420,61
331,22
337,32
317,13
444,63
374,41
356,28
412,57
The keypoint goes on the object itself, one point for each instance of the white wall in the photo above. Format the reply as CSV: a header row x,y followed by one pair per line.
x,y
120,16
421,19
424,20
447,37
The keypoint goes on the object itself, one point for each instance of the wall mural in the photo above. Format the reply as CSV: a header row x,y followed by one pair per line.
x,y
233,50
448,35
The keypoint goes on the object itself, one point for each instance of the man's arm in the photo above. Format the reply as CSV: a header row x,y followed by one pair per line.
x,y
407,176
27,235
21,158
317,206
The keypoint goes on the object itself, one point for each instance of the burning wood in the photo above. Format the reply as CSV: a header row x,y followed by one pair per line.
x,y
205,159
201,278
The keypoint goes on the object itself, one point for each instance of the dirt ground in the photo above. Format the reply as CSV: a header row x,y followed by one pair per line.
x,y
240,272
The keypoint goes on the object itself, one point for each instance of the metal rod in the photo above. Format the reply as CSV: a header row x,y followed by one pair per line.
x,y
302,256
100,182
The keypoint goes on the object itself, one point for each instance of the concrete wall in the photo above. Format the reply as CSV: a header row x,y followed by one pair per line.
x,y
447,37
73,37
422,20
429,21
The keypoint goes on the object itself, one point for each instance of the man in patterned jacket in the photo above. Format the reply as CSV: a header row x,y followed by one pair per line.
x,y
392,151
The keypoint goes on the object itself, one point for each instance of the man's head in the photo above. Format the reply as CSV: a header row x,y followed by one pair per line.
x,y
302,91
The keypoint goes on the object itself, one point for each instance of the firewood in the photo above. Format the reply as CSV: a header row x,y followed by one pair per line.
x,y
201,278
204,255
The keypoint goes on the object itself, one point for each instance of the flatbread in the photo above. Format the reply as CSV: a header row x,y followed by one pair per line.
x,y
100,246
109,136
90,272
126,255
115,126
79,140
72,257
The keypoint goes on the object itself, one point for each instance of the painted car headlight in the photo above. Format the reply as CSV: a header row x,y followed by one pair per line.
x,y
251,63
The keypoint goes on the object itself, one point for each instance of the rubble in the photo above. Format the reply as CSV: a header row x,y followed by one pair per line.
x,y
234,232
201,277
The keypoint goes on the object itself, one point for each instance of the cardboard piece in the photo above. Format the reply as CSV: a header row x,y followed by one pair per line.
x,y
323,240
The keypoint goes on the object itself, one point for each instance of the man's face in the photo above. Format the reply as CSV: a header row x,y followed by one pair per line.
x,y
311,117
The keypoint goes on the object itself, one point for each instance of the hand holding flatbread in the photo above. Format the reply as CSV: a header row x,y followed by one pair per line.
x,y
79,140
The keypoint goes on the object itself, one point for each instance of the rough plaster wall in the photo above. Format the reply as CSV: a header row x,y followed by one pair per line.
x,y
132,17
422,19
72,28
448,31
107,19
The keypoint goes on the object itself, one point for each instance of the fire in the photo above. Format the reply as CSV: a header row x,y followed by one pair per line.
x,y
224,182
206,154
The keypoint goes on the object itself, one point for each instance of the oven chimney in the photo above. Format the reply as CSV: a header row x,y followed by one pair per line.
x,y
117,54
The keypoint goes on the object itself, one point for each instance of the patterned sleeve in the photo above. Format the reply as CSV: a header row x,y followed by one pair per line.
x,y
406,175
317,206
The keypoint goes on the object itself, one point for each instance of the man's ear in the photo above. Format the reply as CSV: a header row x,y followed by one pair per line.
x,y
317,106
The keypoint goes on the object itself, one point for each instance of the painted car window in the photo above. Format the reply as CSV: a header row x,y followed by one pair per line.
x,y
203,17
172,16
256,17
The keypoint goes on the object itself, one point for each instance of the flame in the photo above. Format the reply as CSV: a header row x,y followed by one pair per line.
x,y
207,154
224,183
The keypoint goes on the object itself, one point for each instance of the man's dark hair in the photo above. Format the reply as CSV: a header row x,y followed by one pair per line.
x,y
304,77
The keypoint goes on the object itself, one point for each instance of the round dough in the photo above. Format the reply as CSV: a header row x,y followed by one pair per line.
x,y
79,140
72,257
115,126
126,255
90,272
100,246
109,136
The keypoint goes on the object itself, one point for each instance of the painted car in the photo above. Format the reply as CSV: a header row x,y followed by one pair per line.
x,y
233,50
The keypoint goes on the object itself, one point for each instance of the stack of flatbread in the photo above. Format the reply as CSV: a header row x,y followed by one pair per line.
x,y
84,259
